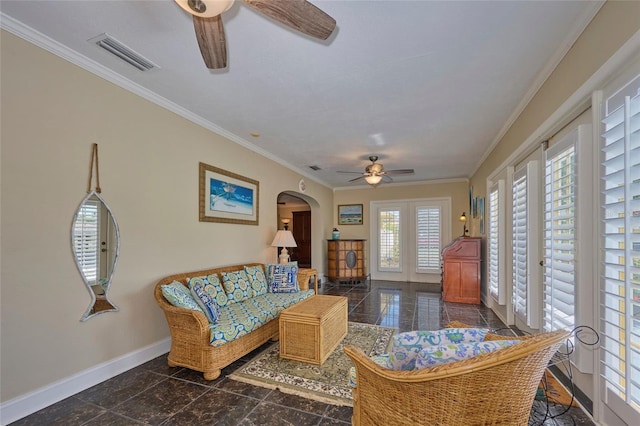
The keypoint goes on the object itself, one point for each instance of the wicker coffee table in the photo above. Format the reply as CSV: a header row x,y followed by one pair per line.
x,y
311,330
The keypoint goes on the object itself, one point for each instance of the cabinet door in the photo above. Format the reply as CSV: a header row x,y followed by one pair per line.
x,y
469,291
461,282
451,281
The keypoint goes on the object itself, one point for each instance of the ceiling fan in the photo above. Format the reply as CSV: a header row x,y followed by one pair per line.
x,y
207,20
374,173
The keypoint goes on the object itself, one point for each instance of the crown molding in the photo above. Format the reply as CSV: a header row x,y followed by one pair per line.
x,y
541,78
45,42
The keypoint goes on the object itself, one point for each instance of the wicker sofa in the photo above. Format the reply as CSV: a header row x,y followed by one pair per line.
x,y
191,332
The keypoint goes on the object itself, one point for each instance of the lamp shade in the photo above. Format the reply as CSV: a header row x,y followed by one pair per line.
x,y
463,217
373,179
205,8
284,239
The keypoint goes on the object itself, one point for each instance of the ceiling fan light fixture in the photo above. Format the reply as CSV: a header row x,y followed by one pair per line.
x,y
373,179
205,8
376,168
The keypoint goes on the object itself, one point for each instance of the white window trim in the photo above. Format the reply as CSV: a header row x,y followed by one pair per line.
x,y
584,236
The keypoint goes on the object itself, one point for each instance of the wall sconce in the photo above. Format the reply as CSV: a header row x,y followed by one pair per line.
x,y
285,223
284,239
463,219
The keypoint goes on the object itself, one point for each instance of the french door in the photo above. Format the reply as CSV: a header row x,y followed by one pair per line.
x,y
407,238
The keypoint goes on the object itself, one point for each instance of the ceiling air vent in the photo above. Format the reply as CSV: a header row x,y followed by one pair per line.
x,y
315,168
115,47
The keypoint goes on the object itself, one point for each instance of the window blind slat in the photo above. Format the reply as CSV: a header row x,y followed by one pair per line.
x,y
620,296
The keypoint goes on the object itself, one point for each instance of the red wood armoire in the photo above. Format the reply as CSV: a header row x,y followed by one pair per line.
x,y
461,270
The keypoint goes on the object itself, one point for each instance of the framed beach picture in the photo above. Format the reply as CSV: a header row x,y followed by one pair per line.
x,y
350,214
227,197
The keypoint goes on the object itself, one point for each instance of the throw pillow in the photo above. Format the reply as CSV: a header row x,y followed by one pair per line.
x,y
257,279
236,286
444,354
283,278
212,286
204,299
418,339
406,346
179,296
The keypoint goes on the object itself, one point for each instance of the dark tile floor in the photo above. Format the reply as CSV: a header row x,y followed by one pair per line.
x,y
155,394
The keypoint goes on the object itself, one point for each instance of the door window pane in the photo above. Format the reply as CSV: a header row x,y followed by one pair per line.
x,y
389,239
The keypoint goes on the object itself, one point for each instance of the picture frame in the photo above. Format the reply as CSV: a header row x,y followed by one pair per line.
x,y
350,214
227,197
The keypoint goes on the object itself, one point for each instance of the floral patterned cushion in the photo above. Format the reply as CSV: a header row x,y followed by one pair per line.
x,y
178,295
236,286
283,277
444,354
419,338
212,286
204,299
238,319
406,346
257,279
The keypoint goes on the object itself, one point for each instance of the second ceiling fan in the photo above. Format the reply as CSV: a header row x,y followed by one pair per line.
x,y
299,15
374,173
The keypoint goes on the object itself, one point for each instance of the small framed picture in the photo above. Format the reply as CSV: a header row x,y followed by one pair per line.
x,y
350,214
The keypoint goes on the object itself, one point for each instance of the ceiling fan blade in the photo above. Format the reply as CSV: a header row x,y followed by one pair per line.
x,y
297,14
358,178
399,172
356,173
212,41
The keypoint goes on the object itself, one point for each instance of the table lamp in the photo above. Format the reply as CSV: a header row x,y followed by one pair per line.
x,y
284,238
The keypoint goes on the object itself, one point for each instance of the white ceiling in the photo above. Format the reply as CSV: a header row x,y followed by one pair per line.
x,y
428,85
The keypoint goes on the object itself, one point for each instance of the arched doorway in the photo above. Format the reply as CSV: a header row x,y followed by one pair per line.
x,y
295,213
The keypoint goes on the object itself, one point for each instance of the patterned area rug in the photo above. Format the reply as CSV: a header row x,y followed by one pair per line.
x,y
327,383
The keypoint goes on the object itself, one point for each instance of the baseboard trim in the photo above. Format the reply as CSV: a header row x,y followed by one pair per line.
x,y
23,405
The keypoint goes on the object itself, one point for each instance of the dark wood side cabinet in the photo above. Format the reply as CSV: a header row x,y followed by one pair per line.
x,y
346,260
461,270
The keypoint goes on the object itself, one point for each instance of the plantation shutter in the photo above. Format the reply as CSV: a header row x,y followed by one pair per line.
x,y
559,235
496,242
85,239
525,243
428,241
519,245
620,284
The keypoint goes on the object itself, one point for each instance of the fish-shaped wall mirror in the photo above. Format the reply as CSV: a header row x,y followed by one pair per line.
x,y
95,243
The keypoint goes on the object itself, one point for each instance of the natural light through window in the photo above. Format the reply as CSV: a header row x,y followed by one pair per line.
x,y
389,239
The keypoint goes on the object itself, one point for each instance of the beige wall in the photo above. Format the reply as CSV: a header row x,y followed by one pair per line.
x,y
613,25
52,111
458,191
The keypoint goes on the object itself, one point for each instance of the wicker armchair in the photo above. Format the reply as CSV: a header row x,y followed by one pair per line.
x,y
497,388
